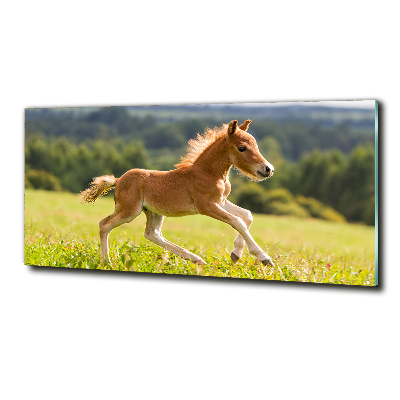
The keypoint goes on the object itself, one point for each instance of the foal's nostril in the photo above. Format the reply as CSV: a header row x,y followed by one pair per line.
x,y
269,170
266,170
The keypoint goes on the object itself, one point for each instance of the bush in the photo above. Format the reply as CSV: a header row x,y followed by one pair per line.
x,y
280,195
313,206
280,202
318,210
330,214
291,208
40,179
255,198
252,197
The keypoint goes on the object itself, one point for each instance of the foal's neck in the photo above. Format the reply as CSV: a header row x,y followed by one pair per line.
x,y
214,160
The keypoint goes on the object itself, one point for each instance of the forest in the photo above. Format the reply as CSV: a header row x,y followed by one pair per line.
x,y
324,157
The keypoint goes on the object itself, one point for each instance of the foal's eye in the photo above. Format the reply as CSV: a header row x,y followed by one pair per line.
x,y
242,148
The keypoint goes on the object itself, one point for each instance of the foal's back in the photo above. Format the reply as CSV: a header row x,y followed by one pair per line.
x,y
163,192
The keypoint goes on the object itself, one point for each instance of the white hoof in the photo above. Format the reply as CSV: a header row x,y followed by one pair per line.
x,y
199,261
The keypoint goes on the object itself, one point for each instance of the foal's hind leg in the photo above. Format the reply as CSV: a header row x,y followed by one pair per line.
x,y
153,233
239,242
107,224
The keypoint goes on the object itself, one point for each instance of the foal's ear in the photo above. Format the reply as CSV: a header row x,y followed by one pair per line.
x,y
245,125
232,127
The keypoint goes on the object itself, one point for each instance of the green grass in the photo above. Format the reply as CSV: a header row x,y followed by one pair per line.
x,y
59,232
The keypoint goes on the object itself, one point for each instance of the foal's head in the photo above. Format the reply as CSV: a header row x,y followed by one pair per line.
x,y
244,153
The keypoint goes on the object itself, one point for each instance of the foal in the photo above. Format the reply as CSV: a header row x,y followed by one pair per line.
x,y
199,185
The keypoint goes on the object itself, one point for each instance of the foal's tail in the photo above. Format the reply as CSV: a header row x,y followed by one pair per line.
x,y
99,187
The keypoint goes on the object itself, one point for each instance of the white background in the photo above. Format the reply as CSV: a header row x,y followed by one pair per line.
x,y
83,335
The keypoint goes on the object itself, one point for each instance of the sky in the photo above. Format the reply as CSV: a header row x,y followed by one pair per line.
x,y
367,104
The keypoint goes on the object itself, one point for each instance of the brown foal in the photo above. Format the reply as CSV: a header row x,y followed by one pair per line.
x,y
199,185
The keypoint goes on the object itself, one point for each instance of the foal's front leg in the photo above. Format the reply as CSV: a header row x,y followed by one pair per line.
x,y
245,215
214,210
153,233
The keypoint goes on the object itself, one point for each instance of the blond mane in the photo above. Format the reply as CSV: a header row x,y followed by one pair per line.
x,y
197,145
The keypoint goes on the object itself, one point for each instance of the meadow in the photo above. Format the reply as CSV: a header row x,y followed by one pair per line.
x,y
60,232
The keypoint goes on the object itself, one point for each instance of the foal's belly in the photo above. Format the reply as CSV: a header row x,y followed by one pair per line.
x,y
173,208
165,195
167,212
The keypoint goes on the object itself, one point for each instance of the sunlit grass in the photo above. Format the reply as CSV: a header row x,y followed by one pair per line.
x,y
60,232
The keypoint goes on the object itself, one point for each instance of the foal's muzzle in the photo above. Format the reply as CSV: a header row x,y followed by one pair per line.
x,y
265,171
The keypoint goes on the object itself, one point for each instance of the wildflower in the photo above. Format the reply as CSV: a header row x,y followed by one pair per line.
x,y
328,266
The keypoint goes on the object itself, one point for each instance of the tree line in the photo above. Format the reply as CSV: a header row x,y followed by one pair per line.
x,y
167,129
59,164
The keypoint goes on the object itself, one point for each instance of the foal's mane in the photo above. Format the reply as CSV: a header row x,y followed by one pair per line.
x,y
197,145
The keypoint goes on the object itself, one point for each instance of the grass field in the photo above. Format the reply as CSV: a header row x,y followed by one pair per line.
x,y
60,232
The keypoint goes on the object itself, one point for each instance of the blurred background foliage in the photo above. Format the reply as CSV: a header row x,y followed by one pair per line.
x,y
324,157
